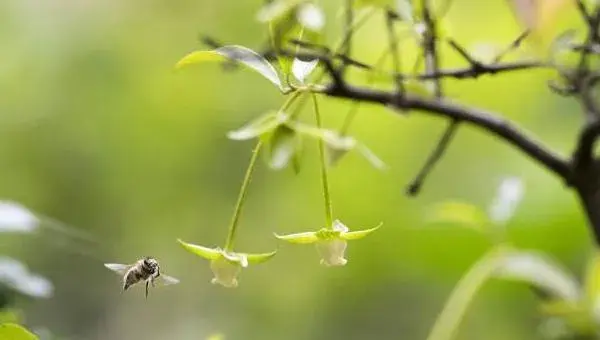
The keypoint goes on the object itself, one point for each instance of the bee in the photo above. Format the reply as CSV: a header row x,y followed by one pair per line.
x,y
145,270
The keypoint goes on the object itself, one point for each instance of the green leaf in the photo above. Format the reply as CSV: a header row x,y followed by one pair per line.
x,y
283,146
371,157
461,213
356,235
9,315
277,10
260,258
374,3
405,10
332,138
561,308
11,331
297,158
540,271
418,88
236,53
592,278
259,126
299,238
207,253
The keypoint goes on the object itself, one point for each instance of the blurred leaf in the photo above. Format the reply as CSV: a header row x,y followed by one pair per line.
x,y
276,10
405,10
283,146
510,193
561,308
299,238
592,279
16,275
371,157
332,138
216,336
16,218
485,52
334,155
375,3
259,126
461,213
561,53
301,69
11,331
357,235
419,88
9,315
207,253
237,53
297,158
540,271
260,258
311,17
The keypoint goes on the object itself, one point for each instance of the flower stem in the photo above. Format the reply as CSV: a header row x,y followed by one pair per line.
x,y
242,197
324,179
247,178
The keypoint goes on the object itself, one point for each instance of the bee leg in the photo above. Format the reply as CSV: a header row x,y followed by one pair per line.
x,y
146,289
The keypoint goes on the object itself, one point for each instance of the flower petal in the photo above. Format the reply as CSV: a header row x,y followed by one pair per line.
x,y
225,272
260,258
356,235
339,226
332,252
207,253
299,238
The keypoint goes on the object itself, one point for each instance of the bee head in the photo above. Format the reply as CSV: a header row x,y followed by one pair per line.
x,y
151,263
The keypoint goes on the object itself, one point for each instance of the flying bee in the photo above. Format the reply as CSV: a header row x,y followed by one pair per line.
x,y
145,270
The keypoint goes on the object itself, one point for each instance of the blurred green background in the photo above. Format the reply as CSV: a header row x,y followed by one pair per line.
x,y
99,132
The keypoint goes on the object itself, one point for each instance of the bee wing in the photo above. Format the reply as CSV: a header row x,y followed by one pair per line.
x,y
166,280
118,268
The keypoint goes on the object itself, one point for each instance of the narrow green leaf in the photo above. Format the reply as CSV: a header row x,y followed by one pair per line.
x,y
207,253
464,214
259,126
299,238
592,278
11,331
260,258
237,53
297,158
332,138
356,235
371,157
540,271
283,146
561,308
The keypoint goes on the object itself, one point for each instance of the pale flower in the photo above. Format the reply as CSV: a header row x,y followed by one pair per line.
x,y
330,242
226,265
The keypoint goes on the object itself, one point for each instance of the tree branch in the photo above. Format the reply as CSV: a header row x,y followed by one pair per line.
x,y
487,121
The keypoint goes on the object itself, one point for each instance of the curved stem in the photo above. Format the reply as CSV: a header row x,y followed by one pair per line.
x,y
242,197
324,179
454,311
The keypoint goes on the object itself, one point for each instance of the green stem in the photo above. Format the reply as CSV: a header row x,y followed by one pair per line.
x,y
247,178
242,197
324,179
463,294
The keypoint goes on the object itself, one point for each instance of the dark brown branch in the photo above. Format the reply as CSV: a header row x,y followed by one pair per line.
x,y
414,187
432,65
487,121
483,69
584,153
